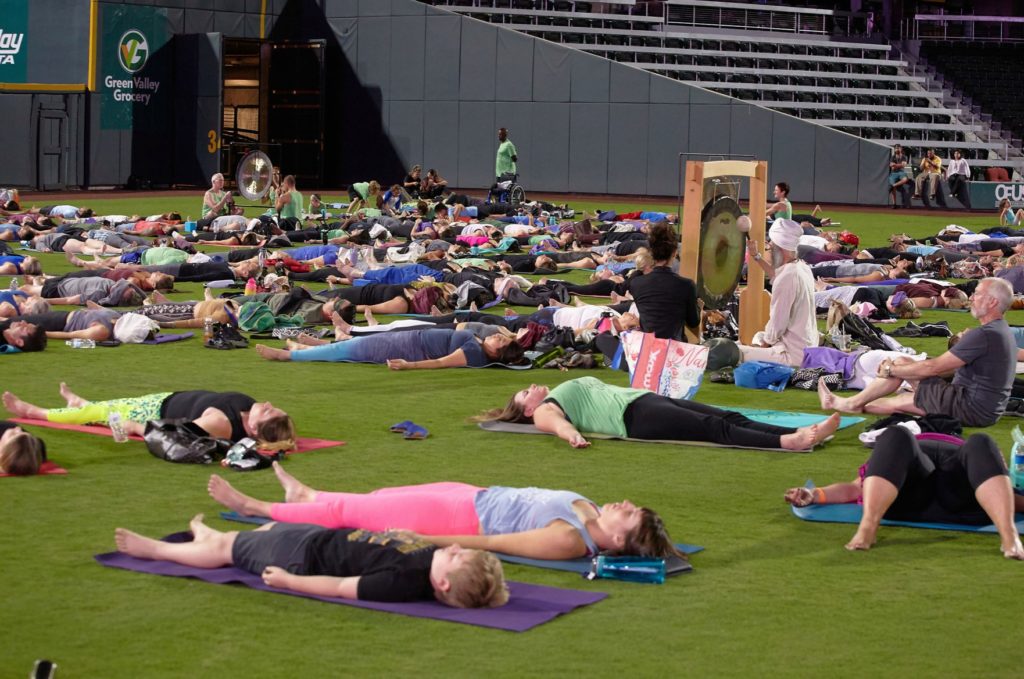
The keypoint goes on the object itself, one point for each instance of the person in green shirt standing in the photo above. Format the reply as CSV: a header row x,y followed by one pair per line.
x,y
289,203
505,163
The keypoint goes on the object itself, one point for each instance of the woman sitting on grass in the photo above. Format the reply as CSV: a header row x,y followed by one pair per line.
x,y
227,415
589,404
531,522
927,481
408,350
346,564
21,453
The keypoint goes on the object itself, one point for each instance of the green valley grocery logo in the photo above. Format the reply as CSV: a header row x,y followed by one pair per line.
x,y
132,51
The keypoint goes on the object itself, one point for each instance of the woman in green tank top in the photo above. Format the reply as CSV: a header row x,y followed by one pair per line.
x,y
588,404
289,203
781,208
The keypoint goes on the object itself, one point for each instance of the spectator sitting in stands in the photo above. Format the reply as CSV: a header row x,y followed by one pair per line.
x,y
931,171
957,175
897,173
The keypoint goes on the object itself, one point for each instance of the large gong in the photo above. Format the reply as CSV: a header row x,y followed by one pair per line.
x,y
711,249
254,175
722,245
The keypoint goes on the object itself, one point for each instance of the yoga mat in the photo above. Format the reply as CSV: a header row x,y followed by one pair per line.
x,y
674,566
580,565
776,417
45,469
783,418
304,444
528,605
165,337
852,512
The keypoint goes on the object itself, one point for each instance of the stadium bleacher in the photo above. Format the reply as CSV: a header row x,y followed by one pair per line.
x,y
810,62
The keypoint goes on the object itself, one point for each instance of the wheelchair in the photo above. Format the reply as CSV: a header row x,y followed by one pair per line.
x,y
507,190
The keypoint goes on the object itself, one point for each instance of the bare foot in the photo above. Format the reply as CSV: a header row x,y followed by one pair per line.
x,y
863,540
294,490
307,339
200,531
272,354
473,307
826,397
73,399
134,544
434,311
159,297
370,320
226,494
806,438
340,325
89,304
74,259
18,407
1014,551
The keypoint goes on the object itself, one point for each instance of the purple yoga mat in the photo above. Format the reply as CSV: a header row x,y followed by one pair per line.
x,y
164,338
527,607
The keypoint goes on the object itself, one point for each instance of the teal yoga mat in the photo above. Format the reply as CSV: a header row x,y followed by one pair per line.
x,y
582,565
851,513
783,418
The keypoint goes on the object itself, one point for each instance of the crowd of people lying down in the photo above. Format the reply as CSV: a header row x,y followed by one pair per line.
x,y
443,260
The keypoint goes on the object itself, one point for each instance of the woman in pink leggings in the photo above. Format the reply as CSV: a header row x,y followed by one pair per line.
x,y
530,522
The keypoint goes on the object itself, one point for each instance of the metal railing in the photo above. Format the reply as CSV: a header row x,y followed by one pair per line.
x,y
967,27
758,17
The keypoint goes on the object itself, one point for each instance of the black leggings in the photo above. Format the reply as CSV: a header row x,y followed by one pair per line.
x,y
660,418
936,480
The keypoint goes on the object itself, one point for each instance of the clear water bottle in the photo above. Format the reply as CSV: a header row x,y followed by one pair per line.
x,y
629,568
117,427
15,283
1017,460
79,343
261,257
552,221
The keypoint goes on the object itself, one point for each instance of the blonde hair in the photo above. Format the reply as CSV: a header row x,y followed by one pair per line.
x,y
957,300
373,189
512,412
31,266
907,309
276,433
643,259
22,455
478,583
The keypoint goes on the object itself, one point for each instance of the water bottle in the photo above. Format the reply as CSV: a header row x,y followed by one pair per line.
x,y
629,568
79,343
1017,460
250,287
207,329
552,221
323,214
15,284
261,258
117,427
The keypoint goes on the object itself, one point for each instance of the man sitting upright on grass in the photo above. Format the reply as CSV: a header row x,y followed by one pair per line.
x,y
350,564
983,365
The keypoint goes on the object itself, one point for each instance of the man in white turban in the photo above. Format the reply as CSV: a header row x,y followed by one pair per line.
x,y
792,326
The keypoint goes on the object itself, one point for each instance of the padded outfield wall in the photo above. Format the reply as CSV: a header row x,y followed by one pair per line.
x,y
581,123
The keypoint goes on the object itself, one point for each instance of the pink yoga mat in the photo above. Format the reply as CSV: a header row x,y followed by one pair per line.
x,y
304,444
45,469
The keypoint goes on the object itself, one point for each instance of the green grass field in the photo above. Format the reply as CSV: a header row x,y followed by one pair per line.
x,y
770,595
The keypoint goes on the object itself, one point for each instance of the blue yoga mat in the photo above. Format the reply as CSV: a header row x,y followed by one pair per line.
x,y
581,565
852,512
782,418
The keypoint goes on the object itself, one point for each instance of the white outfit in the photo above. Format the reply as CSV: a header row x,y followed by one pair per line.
x,y
792,324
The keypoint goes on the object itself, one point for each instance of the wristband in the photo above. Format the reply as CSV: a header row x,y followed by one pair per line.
x,y
758,257
819,496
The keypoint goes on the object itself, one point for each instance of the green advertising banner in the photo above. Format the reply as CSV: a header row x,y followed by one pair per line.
x,y
134,75
13,46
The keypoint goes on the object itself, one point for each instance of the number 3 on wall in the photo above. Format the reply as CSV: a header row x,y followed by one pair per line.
x,y
214,144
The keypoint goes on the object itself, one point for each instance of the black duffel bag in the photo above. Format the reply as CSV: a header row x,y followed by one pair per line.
x,y
183,441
